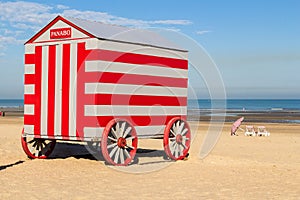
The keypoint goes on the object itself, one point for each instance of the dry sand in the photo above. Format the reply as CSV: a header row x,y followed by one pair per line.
x,y
238,168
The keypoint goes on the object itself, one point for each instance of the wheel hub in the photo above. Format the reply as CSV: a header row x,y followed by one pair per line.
x,y
179,139
122,142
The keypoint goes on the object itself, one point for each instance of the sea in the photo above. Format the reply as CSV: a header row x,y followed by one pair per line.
x,y
229,107
11,103
207,104
246,104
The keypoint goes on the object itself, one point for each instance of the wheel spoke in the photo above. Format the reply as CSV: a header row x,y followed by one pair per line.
x,y
130,138
180,150
111,145
117,155
172,149
118,130
31,141
184,147
185,139
171,131
176,150
113,139
114,133
130,148
113,151
177,126
122,155
38,146
122,129
34,144
172,146
184,132
32,149
126,153
127,132
180,128
172,143
44,143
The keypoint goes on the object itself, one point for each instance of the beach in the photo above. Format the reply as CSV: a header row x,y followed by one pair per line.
x,y
238,167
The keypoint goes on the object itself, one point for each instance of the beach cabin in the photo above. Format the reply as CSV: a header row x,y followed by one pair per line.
x,y
106,84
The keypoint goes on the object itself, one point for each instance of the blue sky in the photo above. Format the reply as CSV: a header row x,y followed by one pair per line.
x,y
255,44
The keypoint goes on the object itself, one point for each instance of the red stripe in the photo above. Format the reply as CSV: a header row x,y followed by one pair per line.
x,y
102,121
29,58
29,78
29,119
126,57
29,99
80,122
38,77
121,78
136,100
51,89
65,91
111,99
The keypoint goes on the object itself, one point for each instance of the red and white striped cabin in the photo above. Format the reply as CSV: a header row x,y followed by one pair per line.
x,y
79,75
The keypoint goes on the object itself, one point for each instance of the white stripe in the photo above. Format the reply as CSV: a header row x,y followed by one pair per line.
x,y
108,88
61,42
29,69
72,93
58,90
29,89
104,110
92,44
29,49
93,131
106,66
149,130
96,132
135,48
28,129
44,92
29,109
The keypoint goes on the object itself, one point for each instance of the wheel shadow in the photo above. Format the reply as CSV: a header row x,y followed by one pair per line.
x,y
3,167
82,151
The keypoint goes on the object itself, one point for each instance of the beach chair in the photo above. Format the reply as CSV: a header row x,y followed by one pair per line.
x,y
250,131
262,131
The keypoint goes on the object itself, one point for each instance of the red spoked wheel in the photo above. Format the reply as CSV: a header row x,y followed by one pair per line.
x,y
177,138
37,147
119,142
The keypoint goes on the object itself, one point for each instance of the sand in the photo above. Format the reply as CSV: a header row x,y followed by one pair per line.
x,y
238,167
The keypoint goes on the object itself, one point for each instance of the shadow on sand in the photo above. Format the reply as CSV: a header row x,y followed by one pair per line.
x,y
11,165
82,151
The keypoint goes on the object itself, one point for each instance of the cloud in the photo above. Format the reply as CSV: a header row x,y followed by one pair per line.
x,y
171,22
111,19
25,12
9,40
202,32
25,26
30,15
62,7
23,18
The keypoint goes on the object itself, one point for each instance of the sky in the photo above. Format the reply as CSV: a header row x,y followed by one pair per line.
x,y
254,44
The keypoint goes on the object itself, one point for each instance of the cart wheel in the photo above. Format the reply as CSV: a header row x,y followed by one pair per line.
x,y
119,142
37,147
177,138
94,146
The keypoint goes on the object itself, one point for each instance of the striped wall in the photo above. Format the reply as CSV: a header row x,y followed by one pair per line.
x,y
73,89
